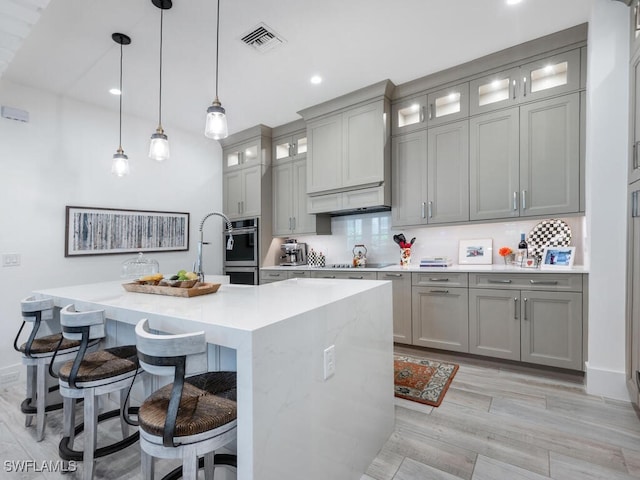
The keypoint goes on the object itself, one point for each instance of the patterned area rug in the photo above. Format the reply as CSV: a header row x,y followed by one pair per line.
x,y
421,380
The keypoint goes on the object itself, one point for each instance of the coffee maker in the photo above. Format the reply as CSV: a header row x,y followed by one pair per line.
x,y
293,253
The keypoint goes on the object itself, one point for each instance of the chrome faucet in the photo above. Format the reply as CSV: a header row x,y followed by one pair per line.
x,y
197,266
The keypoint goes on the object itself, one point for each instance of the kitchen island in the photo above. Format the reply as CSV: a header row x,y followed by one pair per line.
x,y
292,422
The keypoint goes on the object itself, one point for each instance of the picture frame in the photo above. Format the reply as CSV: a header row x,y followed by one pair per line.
x,y
557,258
109,231
475,252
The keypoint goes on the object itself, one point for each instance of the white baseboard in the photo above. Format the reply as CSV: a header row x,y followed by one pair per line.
x,y
11,374
606,383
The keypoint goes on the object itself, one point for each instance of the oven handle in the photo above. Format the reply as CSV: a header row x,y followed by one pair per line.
x,y
239,231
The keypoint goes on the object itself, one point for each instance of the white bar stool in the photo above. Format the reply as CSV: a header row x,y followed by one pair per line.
x,y
90,375
191,417
37,353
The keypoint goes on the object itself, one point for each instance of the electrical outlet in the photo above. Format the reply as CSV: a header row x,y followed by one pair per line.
x,y
10,259
329,361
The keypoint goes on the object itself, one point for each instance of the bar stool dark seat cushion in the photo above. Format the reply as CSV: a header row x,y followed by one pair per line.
x,y
48,344
103,364
199,411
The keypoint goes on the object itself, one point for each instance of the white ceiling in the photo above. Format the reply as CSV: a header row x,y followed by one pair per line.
x,y
350,43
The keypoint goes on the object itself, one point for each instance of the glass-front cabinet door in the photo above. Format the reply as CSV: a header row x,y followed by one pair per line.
x,y
494,91
240,156
551,76
409,115
448,104
291,147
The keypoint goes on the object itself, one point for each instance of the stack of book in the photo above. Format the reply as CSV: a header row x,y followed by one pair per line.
x,y
436,262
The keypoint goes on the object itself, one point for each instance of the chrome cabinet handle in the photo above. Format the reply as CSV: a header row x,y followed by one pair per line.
x,y
438,291
422,114
299,274
430,209
274,274
438,279
239,208
638,379
423,207
294,223
540,282
636,147
523,196
498,281
329,276
524,87
634,204
515,308
515,201
352,277
515,89
525,308
397,275
431,111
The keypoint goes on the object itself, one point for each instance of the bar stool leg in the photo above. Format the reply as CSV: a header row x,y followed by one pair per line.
x,y
189,463
31,391
147,465
90,432
124,408
40,399
209,465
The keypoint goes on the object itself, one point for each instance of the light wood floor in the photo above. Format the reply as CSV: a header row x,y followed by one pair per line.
x,y
497,421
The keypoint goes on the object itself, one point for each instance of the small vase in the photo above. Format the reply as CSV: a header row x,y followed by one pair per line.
x,y
405,257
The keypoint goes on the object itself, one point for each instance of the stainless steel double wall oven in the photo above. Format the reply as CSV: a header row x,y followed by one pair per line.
x,y
241,263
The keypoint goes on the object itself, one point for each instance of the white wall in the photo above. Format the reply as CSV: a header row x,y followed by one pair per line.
x,y
63,157
606,179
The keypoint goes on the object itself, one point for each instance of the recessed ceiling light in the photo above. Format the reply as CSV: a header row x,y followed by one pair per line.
x,y
114,91
316,79
513,2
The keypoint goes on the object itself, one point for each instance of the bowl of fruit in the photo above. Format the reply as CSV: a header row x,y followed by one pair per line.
x,y
182,279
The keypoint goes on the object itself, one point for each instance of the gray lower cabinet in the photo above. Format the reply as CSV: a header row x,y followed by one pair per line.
x,y
541,324
401,282
440,318
270,276
348,275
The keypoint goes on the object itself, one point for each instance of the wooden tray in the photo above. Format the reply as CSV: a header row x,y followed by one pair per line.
x,y
197,289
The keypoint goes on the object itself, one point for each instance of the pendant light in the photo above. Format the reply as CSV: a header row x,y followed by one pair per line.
x,y
120,164
216,126
159,147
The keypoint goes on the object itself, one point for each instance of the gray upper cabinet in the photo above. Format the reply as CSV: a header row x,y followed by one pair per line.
x,y
550,156
634,20
548,76
290,147
494,91
242,192
494,167
324,170
525,161
448,173
282,199
448,104
409,115
409,177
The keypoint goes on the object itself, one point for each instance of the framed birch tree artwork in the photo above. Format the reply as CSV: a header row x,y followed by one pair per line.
x,y
104,231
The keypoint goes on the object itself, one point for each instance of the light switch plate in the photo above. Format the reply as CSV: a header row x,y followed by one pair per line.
x,y
10,259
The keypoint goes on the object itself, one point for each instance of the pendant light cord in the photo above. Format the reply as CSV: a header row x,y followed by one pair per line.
x,y
160,90
120,133
217,45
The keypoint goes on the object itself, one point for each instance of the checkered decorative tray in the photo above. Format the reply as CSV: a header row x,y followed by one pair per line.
x,y
549,233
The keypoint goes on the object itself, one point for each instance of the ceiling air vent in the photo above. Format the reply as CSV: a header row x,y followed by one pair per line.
x,y
262,38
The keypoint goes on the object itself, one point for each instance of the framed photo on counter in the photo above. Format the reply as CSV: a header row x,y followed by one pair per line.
x,y
103,231
557,257
475,252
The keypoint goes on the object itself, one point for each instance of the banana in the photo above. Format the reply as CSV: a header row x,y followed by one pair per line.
x,y
152,278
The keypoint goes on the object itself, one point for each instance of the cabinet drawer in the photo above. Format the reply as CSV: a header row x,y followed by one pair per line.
x,y
298,274
440,279
272,276
561,282
355,275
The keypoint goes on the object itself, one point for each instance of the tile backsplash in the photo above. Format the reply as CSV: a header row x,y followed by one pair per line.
x,y
374,230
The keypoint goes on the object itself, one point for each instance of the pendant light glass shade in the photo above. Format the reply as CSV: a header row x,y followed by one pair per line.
x,y
159,146
216,125
120,162
120,165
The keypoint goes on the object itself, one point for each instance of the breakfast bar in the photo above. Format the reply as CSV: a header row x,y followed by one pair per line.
x,y
292,421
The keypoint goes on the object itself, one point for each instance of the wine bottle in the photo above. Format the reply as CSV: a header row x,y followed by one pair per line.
x,y
522,249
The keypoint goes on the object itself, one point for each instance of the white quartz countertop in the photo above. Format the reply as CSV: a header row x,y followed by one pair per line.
x,y
497,268
233,311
